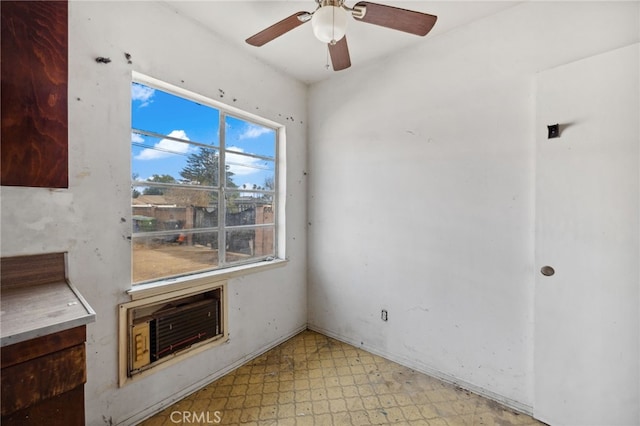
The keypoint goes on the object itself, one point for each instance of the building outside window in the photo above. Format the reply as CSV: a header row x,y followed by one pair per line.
x,y
204,179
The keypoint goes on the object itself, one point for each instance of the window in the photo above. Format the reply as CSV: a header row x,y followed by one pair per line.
x,y
204,184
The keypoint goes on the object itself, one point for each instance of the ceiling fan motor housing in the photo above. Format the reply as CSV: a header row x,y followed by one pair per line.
x,y
323,3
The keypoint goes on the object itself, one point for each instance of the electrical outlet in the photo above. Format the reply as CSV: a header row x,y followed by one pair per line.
x,y
384,315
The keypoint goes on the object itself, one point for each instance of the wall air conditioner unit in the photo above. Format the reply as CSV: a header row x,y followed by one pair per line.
x,y
163,330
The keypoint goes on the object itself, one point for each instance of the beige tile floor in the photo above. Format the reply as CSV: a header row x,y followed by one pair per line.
x,y
315,380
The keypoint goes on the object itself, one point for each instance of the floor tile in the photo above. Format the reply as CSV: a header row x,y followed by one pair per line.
x,y
315,380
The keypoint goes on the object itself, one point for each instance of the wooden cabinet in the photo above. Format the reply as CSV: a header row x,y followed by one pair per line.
x,y
43,380
43,355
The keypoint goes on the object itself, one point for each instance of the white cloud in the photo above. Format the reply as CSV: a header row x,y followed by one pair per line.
x,y
136,138
241,165
166,147
142,94
252,131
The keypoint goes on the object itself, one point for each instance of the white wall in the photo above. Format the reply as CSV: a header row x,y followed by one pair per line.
x,y
91,220
421,193
587,228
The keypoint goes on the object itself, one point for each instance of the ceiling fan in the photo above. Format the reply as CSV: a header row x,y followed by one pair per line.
x,y
329,22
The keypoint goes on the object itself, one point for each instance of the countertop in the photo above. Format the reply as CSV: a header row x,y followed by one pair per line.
x,y
36,310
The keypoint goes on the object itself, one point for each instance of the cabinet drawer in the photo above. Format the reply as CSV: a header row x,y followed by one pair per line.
x,y
41,378
62,410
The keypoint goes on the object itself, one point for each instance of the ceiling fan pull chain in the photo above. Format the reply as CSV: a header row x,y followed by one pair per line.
x,y
327,66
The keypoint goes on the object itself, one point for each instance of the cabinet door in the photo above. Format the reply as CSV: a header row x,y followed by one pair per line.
x,y
587,229
34,94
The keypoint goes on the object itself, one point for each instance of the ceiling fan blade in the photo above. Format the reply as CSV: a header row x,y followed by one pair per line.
x,y
409,21
339,53
277,29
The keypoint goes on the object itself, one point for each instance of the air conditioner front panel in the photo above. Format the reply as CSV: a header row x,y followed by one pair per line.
x,y
177,328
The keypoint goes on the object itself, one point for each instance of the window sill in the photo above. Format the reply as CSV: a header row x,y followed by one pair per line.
x,y
163,287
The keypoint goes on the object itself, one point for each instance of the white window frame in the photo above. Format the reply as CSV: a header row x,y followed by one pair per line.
x,y
160,286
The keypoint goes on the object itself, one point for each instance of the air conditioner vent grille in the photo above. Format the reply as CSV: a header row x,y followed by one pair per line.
x,y
176,328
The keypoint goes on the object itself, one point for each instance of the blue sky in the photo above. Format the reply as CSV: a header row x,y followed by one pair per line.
x,y
160,112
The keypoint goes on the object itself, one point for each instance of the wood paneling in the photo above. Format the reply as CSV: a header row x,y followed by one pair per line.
x,y
34,149
32,270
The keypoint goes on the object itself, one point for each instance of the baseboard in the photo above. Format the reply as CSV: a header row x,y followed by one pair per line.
x,y
161,405
416,365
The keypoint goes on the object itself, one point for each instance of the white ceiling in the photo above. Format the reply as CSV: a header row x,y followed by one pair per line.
x,y
299,54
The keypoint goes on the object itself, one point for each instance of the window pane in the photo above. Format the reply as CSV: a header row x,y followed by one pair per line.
x,y
170,161
249,243
178,209
162,256
248,209
250,138
161,112
245,172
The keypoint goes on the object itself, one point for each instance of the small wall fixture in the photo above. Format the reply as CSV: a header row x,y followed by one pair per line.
x,y
384,315
554,131
547,271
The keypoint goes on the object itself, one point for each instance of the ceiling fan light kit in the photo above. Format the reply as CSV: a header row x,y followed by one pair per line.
x,y
329,22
